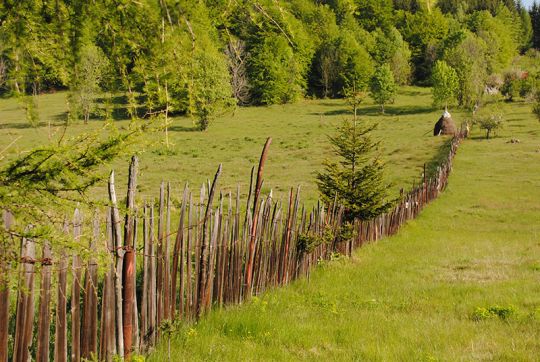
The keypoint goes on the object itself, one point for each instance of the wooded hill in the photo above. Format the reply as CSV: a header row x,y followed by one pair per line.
x,y
203,57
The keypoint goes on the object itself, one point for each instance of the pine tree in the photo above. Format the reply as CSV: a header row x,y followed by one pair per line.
x,y
355,181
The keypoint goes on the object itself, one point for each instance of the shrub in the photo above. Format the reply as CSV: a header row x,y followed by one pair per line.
x,y
490,124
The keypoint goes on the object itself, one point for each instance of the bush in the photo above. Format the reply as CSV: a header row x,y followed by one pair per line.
x,y
512,85
490,124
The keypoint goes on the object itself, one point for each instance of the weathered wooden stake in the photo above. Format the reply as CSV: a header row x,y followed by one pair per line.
x,y
253,234
44,317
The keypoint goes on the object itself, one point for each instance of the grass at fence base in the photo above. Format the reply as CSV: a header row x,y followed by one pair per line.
x,y
299,142
461,282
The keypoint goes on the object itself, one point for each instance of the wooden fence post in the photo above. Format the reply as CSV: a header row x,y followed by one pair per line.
x,y
118,245
60,344
203,262
128,268
89,323
76,293
253,233
108,303
178,258
25,302
4,287
44,317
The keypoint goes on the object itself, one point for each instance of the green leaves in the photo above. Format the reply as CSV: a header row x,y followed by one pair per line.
x,y
383,87
445,84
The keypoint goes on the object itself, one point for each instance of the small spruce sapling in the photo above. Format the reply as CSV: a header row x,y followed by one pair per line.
x,y
356,180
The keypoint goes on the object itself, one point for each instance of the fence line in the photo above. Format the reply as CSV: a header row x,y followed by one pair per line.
x,y
218,257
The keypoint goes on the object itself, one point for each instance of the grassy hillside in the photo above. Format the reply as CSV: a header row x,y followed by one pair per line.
x,y
298,149
459,283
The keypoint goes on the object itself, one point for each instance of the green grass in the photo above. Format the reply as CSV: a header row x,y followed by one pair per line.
x,y
299,133
460,283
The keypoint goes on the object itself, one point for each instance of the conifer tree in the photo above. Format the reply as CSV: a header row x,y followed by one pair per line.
x,y
356,180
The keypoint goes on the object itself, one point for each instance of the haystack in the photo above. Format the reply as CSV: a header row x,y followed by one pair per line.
x,y
445,125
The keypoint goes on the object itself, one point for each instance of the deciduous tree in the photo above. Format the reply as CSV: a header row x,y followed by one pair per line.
x,y
445,84
382,86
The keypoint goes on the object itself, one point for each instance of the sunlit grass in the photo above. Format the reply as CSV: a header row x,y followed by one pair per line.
x,y
416,296
299,146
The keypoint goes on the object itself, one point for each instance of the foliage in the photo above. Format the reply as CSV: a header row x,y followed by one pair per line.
x,y
445,84
276,51
468,58
498,35
342,63
425,34
275,72
382,86
512,85
356,180
87,81
211,88
392,49
490,123
43,185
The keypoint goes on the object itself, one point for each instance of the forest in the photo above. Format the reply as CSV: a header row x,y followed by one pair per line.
x,y
203,58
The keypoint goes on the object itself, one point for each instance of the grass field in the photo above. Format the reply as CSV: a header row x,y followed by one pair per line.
x,y
299,133
460,283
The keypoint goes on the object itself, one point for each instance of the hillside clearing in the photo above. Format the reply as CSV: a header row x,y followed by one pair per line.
x,y
299,146
459,283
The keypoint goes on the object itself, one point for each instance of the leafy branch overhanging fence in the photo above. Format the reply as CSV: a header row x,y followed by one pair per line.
x,y
219,255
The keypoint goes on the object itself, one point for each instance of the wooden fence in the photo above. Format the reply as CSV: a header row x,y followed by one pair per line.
x,y
218,255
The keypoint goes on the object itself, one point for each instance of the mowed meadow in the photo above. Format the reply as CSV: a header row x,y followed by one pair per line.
x,y
459,283
299,142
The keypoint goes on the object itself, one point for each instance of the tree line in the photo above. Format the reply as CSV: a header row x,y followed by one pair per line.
x,y
201,58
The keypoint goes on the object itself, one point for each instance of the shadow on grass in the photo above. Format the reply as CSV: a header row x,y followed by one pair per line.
x,y
184,129
376,111
411,93
439,157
